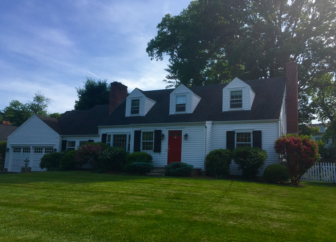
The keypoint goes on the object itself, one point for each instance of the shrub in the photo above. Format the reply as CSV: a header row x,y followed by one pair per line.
x,y
218,163
140,167
178,169
300,153
276,173
111,159
89,153
249,160
51,161
139,157
68,161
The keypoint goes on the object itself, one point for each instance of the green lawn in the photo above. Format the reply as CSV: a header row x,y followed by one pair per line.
x,y
83,206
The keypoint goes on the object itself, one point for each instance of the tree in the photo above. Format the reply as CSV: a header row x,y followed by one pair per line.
x,y
214,41
300,153
330,132
55,115
18,113
93,93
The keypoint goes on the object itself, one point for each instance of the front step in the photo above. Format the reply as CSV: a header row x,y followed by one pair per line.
x,y
157,171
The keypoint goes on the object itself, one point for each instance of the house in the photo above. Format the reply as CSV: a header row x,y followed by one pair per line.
x,y
322,128
173,125
6,129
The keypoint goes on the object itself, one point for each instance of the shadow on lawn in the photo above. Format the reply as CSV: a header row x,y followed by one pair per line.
x,y
73,177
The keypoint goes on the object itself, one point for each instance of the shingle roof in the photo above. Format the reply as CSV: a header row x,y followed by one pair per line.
x,y
5,131
79,122
266,105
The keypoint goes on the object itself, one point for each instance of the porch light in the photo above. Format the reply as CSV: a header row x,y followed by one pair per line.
x,y
26,161
162,136
55,150
185,136
7,150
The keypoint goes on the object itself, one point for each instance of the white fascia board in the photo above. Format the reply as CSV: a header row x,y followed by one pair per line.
x,y
82,135
152,124
32,144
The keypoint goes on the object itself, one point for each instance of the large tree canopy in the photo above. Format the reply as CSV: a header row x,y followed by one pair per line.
x,y
212,41
93,93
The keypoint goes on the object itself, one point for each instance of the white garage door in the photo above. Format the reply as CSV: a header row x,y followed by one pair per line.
x,y
38,153
19,154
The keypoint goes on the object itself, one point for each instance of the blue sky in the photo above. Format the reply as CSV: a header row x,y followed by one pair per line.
x,y
52,46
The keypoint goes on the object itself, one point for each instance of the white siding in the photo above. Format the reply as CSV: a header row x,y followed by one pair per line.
x,y
193,149
145,103
77,139
33,133
208,125
192,99
235,85
269,135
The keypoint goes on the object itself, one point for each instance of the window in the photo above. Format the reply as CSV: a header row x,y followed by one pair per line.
x,y
81,143
108,142
48,150
120,141
236,100
17,150
26,150
38,150
181,103
135,106
71,145
317,139
147,140
243,140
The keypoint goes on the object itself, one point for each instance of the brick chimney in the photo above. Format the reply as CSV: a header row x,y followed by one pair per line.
x,y
292,98
117,94
6,123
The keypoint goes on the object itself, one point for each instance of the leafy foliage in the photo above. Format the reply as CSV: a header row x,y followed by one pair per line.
x,y
111,159
218,163
54,115
330,132
309,131
140,167
300,153
88,154
68,160
178,169
51,161
276,173
249,160
139,157
93,93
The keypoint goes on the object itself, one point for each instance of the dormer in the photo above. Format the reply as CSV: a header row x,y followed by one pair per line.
x,y
237,95
137,104
183,100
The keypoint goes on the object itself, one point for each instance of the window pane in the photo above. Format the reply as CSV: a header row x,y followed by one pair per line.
x,y
172,134
38,150
135,106
147,145
120,140
180,108
244,137
236,99
147,136
17,150
26,150
147,140
181,100
48,150
71,144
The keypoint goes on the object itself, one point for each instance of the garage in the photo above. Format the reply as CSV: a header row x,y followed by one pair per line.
x,y
38,153
19,154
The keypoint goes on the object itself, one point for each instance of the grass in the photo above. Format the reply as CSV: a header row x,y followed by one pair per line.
x,y
83,206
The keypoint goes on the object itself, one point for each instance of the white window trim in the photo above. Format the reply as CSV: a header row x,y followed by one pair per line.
x,y
234,90
135,98
240,132
146,131
128,139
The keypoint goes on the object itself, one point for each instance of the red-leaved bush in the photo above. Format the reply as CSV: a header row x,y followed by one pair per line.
x,y
300,153
88,153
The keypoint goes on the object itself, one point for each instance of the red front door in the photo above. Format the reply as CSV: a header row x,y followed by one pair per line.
x,y
174,146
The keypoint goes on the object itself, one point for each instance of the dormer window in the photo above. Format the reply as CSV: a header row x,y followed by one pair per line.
x,y
181,103
236,100
135,106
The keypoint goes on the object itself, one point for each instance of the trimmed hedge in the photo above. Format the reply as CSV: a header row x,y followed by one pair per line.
x,y
276,173
140,167
138,157
249,160
178,169
218,163
68,161
51,161
111,159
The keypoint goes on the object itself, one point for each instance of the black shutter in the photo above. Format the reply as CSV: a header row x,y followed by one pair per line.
x,y
257,140
103,140
157,141
137,140
64,144
91,141
230,140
